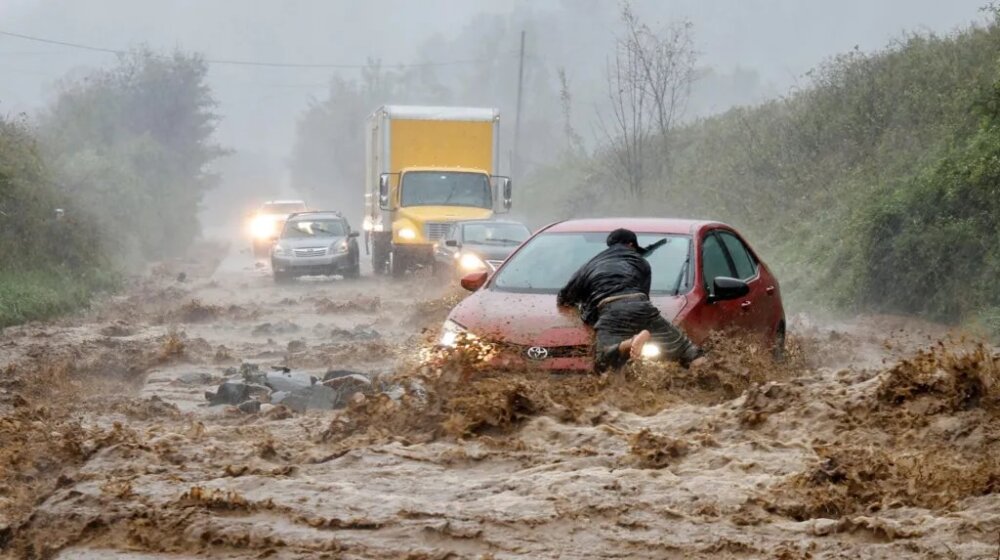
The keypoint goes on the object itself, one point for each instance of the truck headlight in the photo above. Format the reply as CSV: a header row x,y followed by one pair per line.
x,y
450,332
406,233
471,262
651,351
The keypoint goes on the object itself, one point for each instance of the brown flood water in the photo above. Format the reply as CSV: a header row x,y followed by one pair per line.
x,y
877,438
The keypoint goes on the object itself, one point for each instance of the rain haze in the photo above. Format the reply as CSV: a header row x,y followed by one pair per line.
x,y
756,50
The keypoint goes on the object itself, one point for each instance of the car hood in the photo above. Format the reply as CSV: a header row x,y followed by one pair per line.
x,y
533,319
303,242
490,252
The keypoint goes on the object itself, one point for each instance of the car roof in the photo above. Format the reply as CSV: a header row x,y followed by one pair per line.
x,y
638,225
285,202
318,214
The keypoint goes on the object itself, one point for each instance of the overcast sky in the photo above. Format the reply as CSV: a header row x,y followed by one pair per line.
x,y
778,39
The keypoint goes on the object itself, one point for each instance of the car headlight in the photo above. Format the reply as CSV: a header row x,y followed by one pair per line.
x,y
262,227
407,233
279,251
471,262
450,332
651,351
340,247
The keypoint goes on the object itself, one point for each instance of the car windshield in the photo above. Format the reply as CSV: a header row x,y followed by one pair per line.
x,y
329,227
494,234
547,262
283,208
434,188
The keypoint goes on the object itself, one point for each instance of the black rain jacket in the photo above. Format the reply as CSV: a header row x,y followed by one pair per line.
x,y
615,271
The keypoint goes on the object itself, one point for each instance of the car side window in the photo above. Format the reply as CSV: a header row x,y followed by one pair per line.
x,y
746,268
713,260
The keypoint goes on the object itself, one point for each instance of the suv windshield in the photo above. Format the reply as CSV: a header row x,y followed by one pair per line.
x,y
435,188
548,261
283,208
494,234
322,227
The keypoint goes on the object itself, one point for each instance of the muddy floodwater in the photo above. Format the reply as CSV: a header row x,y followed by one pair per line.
x,y
878,437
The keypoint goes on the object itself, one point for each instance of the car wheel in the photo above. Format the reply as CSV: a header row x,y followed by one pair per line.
x,y
354,271
281,277
778,350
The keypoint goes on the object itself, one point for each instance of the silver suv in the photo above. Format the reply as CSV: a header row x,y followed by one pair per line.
x,y
313,243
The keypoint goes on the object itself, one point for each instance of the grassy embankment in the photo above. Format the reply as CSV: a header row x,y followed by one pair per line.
x,y
875,187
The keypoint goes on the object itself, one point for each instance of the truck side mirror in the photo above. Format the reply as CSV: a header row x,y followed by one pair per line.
x,y
451,243
383,191
506,193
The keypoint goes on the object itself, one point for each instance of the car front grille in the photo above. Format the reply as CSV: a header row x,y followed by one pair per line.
x,y
531,352
310,252
436,230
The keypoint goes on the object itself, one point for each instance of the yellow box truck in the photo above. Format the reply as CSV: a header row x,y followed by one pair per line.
x,y
426,168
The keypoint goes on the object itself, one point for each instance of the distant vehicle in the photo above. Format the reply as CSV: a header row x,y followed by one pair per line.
x,y
315,243
266,222
705,278
426,168
478,245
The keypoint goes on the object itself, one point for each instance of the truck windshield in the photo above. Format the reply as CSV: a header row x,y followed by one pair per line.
x,y
436,188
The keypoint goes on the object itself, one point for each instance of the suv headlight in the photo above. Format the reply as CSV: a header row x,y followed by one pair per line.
x,y
339,247
450,332
279,251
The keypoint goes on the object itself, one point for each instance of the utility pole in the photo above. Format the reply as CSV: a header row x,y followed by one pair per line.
x,y
516,163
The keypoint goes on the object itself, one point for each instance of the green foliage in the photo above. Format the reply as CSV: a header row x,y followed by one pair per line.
x,y
123,153
875,186
131,144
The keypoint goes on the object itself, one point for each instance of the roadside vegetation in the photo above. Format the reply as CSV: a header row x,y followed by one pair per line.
x,y
122,153
873,187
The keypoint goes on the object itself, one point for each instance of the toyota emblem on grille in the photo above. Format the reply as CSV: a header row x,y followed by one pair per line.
x,y
537,353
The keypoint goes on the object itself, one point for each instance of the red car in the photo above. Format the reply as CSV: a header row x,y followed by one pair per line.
x,y
705,278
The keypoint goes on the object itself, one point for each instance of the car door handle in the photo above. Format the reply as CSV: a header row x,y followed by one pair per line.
x,y
745,306
769,290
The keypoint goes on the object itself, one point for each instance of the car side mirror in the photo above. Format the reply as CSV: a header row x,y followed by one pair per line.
x,y
507,193
352,234
474,281
383,191
725,288
451,243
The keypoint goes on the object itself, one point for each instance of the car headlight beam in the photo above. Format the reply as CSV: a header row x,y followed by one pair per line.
x,y
450,332
471,262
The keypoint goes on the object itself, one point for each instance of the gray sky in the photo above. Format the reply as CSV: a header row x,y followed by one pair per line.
x,y
779,40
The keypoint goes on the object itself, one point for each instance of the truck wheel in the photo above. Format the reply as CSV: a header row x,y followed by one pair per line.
x,y
397,265
379,258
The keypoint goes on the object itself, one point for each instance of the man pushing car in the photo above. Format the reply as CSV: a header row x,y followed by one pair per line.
x,y
612,293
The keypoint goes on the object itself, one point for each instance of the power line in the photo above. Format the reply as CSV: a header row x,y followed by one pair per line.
x,y
237,62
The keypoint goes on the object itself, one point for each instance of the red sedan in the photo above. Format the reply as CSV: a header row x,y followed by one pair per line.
x,y
705,278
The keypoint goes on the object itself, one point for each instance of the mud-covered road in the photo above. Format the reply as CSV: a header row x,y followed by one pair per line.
x,y
873,440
